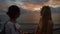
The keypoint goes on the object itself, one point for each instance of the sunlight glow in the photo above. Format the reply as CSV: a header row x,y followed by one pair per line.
x,y
36,9
32,7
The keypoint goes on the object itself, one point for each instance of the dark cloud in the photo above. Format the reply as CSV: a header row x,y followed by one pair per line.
x,y
24,1
56,0
35,1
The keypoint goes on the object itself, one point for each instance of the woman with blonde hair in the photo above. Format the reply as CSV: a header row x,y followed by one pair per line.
x,y
45,23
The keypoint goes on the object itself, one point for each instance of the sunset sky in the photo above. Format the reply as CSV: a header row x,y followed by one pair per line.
x,y
34,5
31,4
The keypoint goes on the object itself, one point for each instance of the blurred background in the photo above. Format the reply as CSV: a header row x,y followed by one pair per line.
x,y
30,13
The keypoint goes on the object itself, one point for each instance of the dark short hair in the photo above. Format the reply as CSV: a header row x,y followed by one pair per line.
x,y
13,10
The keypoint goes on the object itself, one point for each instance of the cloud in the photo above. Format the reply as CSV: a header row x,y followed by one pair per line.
x,y
53,3
35,1
31,4
57,0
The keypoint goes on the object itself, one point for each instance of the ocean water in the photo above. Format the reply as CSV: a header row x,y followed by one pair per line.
x,y
29,22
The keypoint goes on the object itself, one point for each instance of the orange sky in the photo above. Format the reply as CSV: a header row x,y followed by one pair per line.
x,y
34,7
57,0
37,6
52,2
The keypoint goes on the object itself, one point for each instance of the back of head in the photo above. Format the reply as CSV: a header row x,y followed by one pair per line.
x,y
13,11
46,12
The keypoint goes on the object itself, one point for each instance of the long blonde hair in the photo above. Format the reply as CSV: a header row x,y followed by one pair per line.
x,y
46,16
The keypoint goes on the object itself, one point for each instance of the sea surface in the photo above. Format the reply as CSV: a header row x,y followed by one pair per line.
x,y
29,22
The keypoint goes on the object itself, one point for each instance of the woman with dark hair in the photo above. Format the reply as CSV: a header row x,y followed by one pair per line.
x,y
45,23
12,27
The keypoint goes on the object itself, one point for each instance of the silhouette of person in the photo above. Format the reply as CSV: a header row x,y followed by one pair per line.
x,y
45,24
12,27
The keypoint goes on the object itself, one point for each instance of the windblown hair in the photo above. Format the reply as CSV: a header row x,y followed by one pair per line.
x,y
46,16
46,13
